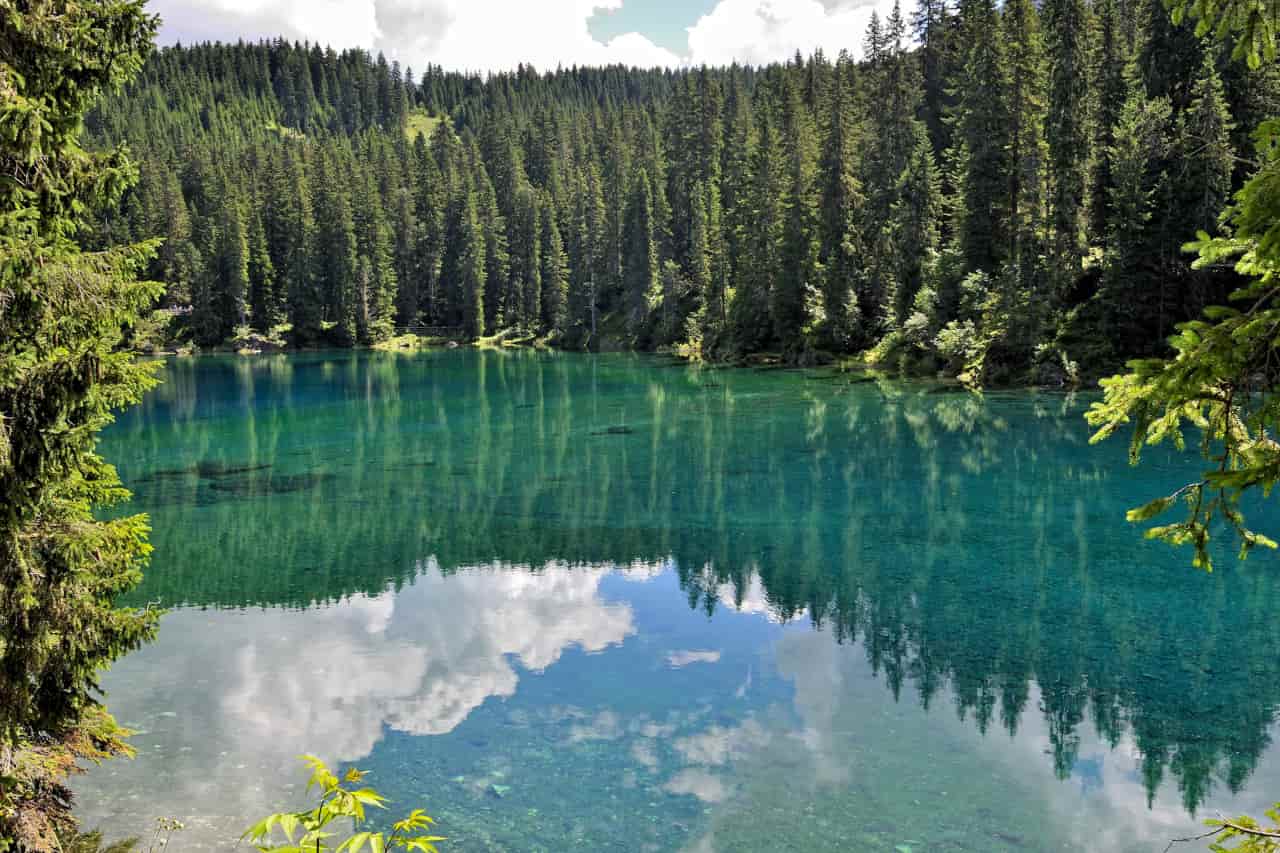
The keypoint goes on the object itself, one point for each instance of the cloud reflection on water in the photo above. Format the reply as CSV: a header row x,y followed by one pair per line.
x,y
230,698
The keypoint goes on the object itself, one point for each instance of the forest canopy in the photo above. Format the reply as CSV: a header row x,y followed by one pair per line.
x,y
999,192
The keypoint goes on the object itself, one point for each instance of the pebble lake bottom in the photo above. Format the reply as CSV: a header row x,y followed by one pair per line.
x,y
621,603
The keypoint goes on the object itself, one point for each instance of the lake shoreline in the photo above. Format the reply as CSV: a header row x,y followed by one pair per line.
x,y
412,343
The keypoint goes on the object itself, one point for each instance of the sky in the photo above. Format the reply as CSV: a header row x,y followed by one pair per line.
x,y
494,35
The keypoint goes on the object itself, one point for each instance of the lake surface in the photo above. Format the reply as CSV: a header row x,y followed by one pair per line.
x,y
612,603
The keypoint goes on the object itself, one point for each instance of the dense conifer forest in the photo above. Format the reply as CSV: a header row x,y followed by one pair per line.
x,y
999,192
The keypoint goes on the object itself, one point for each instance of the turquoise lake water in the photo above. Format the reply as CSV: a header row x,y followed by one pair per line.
x,y
616,603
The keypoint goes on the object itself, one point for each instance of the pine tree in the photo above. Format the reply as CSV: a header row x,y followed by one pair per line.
x,y
715,312
614,173
526,258
840,215
1109,89
586,255
693,300
554,275
749,312
1169,54
63,373
265,305
640,263
1024,53
471,269
982,133
1202,186
497,256
335,255
177,260
914,223
231,259
376,279
1205,152
406,233
932,23
1067,26
429,207
1134,312
794,292
291,233
736,180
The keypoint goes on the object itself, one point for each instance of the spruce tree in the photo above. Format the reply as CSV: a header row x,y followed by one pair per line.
x,y
1067,27
750,314
715,310
1024,53
736,180
471,269
840,215
1112,56
932,23
914,223
1134,311
231,259
983,135
62,375
795,290
1204,152
265,305
335,255
640,263
554,275
698,280
526,261
429,207
586,257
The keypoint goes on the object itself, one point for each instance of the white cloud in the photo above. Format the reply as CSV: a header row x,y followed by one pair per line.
x,y
485,35
685,657
458,34
702,784
756,32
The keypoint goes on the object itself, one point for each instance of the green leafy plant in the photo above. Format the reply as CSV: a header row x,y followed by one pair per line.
x,y
1223,378
310,831
1239,835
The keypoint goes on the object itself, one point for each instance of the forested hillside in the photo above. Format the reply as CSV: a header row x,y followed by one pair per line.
x,y
998,192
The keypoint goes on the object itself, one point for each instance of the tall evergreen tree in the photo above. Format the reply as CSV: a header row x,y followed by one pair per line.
x,y
795,291
471,269
1109,90
586,255
914,223
63,372
983,132
1067,24
640,263
335,255
840,214
554,274
749,314
736,180
1024,53
1141,138
526,261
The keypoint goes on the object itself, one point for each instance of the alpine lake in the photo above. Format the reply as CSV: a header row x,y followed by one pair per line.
x,y
624,603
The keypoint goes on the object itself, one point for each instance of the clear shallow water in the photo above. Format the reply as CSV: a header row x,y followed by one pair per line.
x,y
612,603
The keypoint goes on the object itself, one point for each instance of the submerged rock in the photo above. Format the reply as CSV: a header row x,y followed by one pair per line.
x,y
615,430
